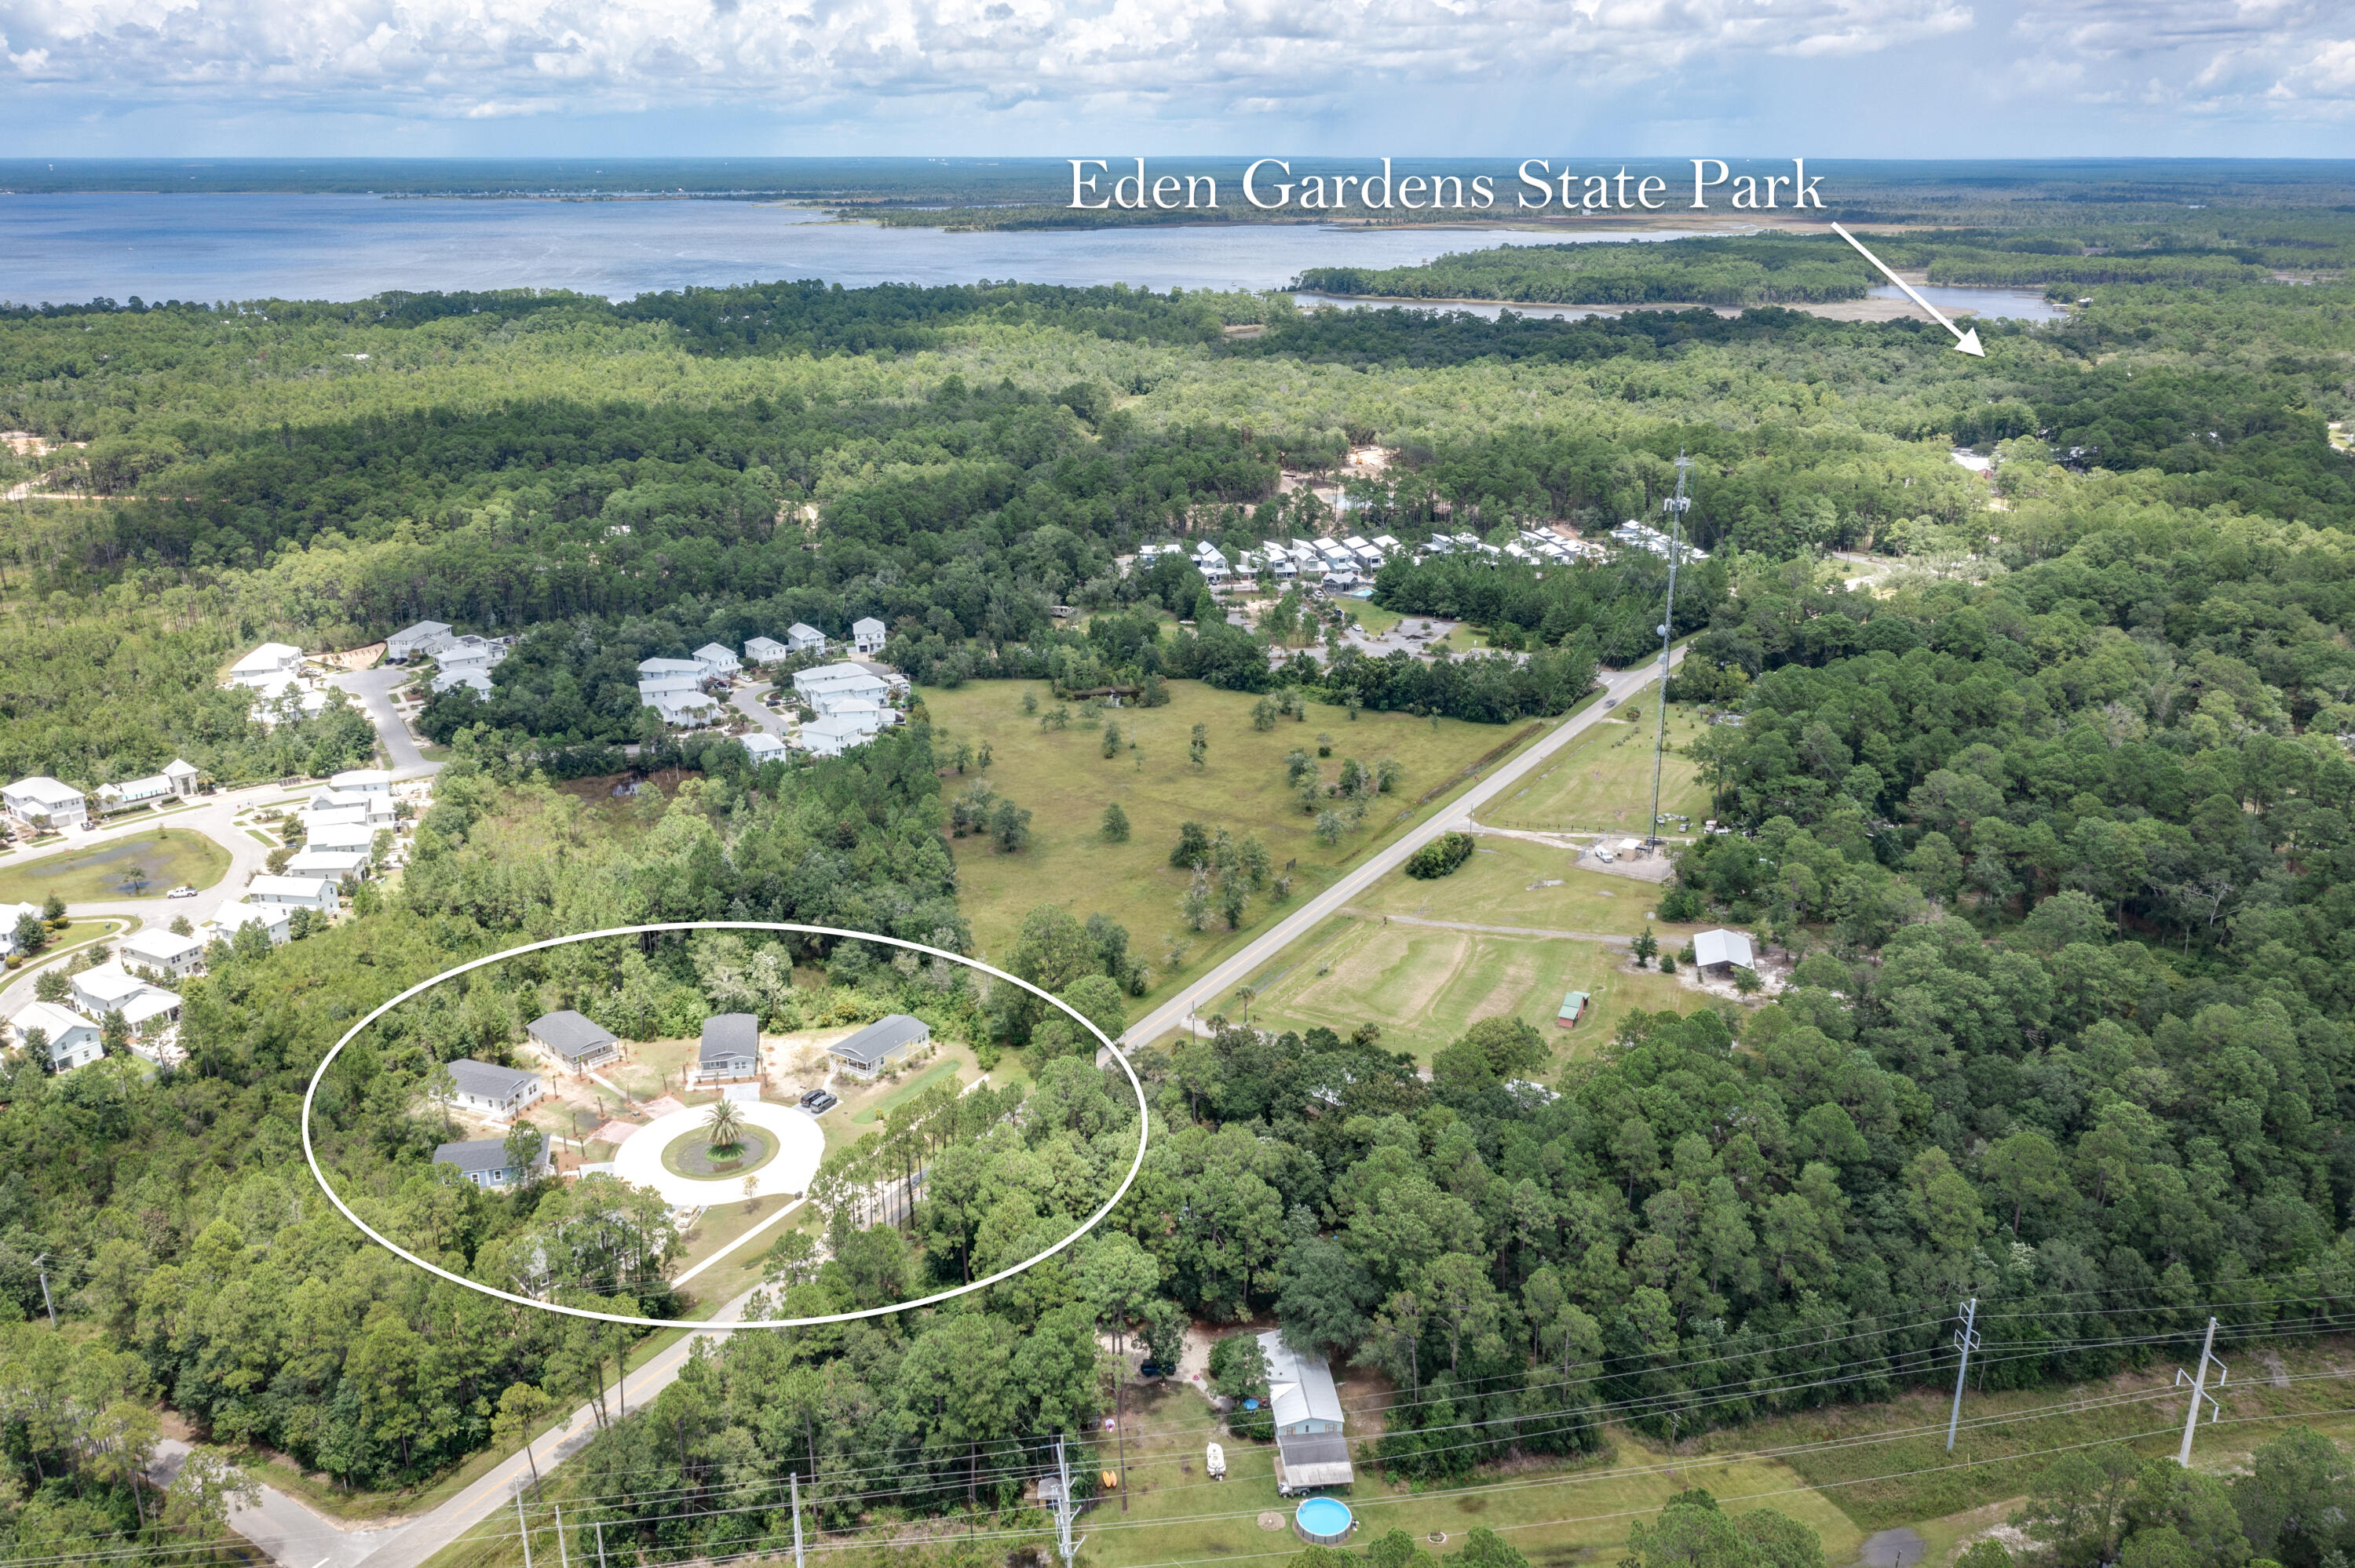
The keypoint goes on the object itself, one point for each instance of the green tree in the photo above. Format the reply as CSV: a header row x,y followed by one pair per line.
x,y
1110,745
1009,827
52,985
1193,851
723,1129
1198,744
1645,946
1115,824
520,1411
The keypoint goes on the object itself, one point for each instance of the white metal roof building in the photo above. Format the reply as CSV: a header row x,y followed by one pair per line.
x,y
1721,947
425,637
73,1039
650,667
716,660
764,650
338,864
869,634
1310,1450
41,802
294,892
804,638
162,949
267,666
272,919
367,780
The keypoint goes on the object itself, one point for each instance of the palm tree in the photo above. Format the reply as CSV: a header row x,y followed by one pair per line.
x,y
726,1126
1246,994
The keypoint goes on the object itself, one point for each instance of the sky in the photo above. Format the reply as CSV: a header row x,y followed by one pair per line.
x,y
1029,78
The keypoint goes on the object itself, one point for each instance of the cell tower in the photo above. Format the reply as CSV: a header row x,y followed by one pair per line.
x,y
1676,506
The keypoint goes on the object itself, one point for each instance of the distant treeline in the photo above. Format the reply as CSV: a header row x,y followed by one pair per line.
x,y
1761,271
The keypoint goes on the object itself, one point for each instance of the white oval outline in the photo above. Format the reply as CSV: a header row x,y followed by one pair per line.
x,y
310,1155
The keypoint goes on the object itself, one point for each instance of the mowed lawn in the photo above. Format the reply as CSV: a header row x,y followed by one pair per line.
x,y
1396,959
1062,778
169,859
1603,781
1554,1514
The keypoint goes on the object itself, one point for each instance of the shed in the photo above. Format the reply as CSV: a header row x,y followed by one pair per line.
x,y
1312,1460
880,1044
1721,949
574,1041
1573,1008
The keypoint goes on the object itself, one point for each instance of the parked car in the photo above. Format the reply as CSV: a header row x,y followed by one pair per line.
x,y
183,890
817,1102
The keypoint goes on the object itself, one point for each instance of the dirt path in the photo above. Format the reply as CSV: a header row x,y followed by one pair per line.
x,y
1606,938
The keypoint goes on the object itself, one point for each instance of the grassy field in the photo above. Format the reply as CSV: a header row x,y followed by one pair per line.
x,y
169,859
925,1079
1554,1514
1065,782
1391,960
1603,781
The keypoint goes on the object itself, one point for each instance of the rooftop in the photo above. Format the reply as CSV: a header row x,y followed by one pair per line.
x,y
868,1047
727,1036
488,1079
569,1034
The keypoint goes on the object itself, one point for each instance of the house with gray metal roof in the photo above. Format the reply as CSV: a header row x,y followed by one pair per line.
x,y
574,1042
493,1090
879,1045
731,1048
484,1161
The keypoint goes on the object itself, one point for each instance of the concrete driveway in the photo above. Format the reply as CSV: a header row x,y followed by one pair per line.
x,y
374,689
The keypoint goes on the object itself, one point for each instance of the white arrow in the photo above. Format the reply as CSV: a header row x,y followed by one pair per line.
x,y
1965,342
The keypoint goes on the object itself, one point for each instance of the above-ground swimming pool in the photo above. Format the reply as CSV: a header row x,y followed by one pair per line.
x,y
1323,1520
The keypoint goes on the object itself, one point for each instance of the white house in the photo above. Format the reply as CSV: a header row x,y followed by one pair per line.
x,y
830,686
347,836
111,987
1310,1450
41,802
476,680
163,785
270,664
73,1039
425,637
763,747
373,805
834,736
716,661
164,950
764,650
649,669
313,818
271,919
294,892
493,1090
362,781
868,635
801,636
9,915
730,1048
678,701
484,1161
338,864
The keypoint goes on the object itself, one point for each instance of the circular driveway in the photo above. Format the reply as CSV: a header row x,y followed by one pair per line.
x,y
800,1144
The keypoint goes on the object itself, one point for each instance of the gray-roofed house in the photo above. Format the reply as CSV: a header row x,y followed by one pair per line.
x,y
731,1048
868,635
880,1044
804,638
1310,1450
764,650
493,1090
484,1161
576,1042
1721,950
425,637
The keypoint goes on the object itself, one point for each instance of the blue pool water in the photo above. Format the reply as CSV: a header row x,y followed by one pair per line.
x,y
1324,1518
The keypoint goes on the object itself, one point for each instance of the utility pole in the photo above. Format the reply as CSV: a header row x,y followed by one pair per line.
x,y
1676,506
600,1543
1119,1420
2199,1382
795,1478
40,1266
524,1526
1967,1339
1063,1542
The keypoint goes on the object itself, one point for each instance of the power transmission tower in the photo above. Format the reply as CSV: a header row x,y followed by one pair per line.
x,y
2199,1382
1676,506
1967,1339
563,1557
1063,1542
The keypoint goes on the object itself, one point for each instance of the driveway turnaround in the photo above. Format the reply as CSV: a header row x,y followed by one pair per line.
x,y
800,1144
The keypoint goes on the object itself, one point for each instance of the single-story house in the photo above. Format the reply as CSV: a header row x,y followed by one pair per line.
x,y
1309,1447
338,864
161,786
270,664
731,1048
716,660
111,987
880,1044
764,650
425,637
868,635
574,1041
160,949
484,1161
763,747
1723,950
493,1090
295,893
272,919
41,802
803,638
73,1039
362,780
9,915
1573,1008
649,668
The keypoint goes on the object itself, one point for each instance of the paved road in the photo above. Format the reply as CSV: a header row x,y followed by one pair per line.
x,y
746,701
374,689
1210,991
285,1530
214,816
